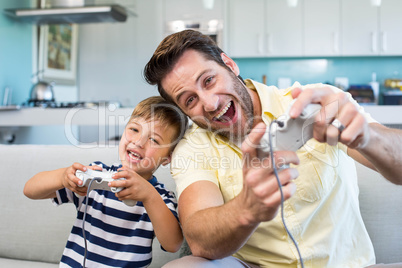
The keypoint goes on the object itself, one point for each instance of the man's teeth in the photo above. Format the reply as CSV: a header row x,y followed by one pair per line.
x,y
224,110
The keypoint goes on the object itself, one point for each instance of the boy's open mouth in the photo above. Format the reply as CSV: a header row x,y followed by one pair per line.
x,y
134,156
226,114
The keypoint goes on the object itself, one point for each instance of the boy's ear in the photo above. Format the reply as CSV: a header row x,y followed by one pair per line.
x,y
230,63
167,160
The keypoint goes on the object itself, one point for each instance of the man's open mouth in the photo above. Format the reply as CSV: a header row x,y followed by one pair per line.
x,y
226,114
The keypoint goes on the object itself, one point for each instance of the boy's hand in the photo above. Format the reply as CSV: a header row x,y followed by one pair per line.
x,y
135,187
70,181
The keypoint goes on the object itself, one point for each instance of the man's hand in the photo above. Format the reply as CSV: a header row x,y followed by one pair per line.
x,y
350,127
260,196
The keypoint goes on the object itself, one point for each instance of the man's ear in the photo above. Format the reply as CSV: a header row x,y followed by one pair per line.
x,y
230,63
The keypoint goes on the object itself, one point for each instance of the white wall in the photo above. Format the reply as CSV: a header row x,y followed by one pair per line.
x,y
112,55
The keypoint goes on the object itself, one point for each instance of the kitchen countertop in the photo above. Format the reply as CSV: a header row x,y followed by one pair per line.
x,y
385,114
102,115
37,116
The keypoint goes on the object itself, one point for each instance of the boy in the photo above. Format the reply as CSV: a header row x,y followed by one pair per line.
x,y
118,235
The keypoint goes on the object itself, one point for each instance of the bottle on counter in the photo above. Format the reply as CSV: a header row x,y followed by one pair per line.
x,y
375,86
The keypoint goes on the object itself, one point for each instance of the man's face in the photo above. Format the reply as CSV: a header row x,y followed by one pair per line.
x,y
211,95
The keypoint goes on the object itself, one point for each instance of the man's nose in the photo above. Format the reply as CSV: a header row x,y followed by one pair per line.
x,y
210,102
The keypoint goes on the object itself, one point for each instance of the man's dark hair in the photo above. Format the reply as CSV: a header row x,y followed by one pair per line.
x,y
172,48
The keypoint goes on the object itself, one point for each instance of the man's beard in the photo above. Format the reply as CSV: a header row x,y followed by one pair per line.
x,y
236,134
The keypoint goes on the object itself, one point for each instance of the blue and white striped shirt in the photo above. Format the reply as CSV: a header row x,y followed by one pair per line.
x,y
117,235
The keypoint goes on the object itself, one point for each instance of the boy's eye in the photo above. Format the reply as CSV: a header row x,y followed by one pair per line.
x,y
154,140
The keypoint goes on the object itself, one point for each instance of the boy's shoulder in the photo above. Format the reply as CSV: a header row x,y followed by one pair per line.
x,y
161,188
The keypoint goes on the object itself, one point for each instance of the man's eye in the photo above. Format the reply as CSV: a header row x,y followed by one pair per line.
x,y
208,80
189,101
134,129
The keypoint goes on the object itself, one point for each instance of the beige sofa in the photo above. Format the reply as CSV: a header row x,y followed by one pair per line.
x,y
34,232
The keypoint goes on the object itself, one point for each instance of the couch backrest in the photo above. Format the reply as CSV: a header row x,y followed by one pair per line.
x,y
35,229
381,209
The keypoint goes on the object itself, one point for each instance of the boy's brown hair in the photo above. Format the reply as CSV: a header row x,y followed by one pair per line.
x,y
158,109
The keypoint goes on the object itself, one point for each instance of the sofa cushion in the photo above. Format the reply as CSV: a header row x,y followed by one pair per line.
x,y
25,264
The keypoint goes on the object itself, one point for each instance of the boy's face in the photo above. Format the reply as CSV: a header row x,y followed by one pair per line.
x,y
144,146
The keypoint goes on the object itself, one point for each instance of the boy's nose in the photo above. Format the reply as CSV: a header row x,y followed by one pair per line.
x,y
140,142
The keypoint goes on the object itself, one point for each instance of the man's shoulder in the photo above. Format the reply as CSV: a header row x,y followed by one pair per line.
x,y
196,135
199,142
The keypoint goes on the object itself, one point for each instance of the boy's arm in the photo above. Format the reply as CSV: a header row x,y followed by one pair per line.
x,y
166,226
45,184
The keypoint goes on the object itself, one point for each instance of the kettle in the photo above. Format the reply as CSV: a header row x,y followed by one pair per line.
x,y
42,92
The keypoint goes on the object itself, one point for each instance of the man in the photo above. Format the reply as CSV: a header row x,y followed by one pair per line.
x,y
229,199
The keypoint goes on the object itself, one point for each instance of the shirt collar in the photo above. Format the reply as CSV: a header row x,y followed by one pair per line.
x,y
153,181
273,101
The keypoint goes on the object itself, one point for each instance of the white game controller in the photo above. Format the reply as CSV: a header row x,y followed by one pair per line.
x,y
289,134
101,180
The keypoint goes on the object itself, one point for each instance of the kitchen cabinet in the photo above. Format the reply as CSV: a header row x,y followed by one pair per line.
x,y
370,30
270,28
260,28
359,28
192,10
246,28
390,27
284,29
321,27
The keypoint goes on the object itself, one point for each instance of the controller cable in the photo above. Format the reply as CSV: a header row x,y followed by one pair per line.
x,y
84,217
271,152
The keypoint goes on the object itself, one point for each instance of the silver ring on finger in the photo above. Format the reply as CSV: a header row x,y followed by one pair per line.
x,y
336,123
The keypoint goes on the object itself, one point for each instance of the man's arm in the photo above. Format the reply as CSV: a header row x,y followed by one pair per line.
x,y
383,152
214,229
373,145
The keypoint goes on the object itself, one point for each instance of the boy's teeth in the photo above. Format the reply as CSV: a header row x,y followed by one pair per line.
x,y
134,155
224,110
